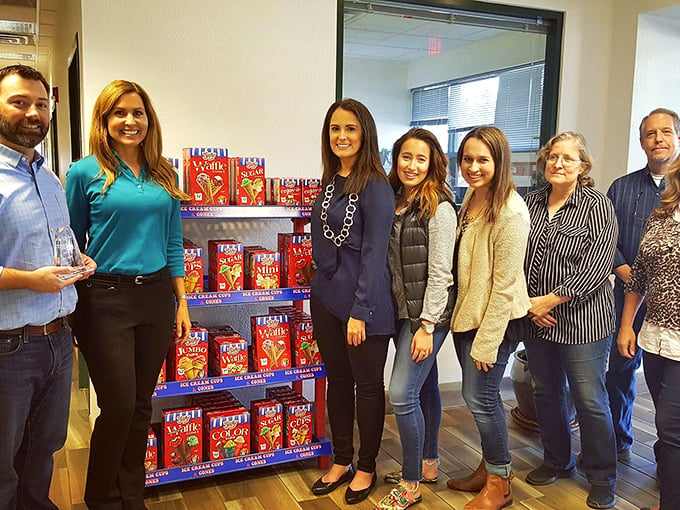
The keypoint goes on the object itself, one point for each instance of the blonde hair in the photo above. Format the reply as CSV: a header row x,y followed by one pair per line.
x,y
584,179
670,197
159,168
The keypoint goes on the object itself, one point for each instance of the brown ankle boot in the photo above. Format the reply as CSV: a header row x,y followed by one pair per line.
x,y
472,483
495,495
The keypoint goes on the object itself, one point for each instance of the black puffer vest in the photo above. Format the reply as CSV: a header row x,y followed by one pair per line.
x,y
414,249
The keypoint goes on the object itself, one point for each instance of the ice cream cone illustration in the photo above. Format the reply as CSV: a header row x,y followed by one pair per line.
x,y
252,189
279,350
203,180
215,186
270,350
240,446
226,271
307,349
268,436
190,281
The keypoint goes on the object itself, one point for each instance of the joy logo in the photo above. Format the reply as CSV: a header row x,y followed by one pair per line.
x,y
209,156
273,323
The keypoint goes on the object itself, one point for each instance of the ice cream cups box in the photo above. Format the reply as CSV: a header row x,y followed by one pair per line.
x,y
182,436
285,191
296,259
305,348
310,190
162,375
226,265
270,337
264,270
189,358
267,429
193,269
151,458
247,177
206,175
228,354
227,433
297,423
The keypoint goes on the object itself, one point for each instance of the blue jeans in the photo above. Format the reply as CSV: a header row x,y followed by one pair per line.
x,y
663,380
35,382
481,392
584,366
414,394
621,378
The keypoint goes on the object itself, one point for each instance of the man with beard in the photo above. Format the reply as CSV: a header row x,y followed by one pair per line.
x,y
36,351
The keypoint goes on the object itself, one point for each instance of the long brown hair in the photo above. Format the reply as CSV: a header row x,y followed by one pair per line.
x,y
429,192
584,178
159,168
502,184
367,165
670,197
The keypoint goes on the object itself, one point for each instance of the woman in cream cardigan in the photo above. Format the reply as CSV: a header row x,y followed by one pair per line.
x,y
492,237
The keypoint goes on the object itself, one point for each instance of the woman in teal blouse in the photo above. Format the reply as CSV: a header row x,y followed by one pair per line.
x,y
124,205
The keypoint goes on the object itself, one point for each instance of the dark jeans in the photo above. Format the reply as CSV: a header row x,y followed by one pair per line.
x,y
124,332
583,365
414,394
481,392
35,391
663,380
621,378
350,368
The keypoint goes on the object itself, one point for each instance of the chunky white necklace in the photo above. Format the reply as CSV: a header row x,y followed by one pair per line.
x,y
347,222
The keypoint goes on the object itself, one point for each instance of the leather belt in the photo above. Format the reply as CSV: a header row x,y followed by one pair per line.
x,y
46,329
120,279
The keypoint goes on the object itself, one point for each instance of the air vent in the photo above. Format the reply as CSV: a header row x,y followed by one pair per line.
x,y
20,40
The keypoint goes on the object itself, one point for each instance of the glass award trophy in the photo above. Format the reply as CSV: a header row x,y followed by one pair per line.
x,y
67,253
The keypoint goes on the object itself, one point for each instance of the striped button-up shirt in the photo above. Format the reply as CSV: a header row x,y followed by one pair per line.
x,y
571,255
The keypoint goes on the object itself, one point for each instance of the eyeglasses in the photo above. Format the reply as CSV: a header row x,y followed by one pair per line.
x,y
566,160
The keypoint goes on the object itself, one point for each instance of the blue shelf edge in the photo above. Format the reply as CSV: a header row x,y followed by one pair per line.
x,y
245,212
206,384
319,448
247,296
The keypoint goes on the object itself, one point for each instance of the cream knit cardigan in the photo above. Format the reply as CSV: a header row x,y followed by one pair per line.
x,y
491,285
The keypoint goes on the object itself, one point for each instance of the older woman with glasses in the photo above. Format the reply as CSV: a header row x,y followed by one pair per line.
x,y
569,259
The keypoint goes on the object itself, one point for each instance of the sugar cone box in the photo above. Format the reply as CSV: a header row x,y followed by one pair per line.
x,y
151,458
263,269
182,436
267,425
248,181
310,190
228,354
305,349
189,358
225,265
297,421
270,337
296,259
193,267
227,433
206,175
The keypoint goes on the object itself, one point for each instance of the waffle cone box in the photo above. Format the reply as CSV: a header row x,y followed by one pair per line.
x,y
270,338
206,175
263,268
182,436
188,358
267,425
226,265
193,267
296,259
228,354
151,458
227,433
310,190
297,421
248,181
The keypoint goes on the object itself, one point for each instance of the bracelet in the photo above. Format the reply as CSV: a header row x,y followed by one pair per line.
x,y
183,296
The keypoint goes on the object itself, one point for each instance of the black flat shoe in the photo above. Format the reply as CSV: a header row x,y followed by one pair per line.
x,y
320,487
544,475
354,497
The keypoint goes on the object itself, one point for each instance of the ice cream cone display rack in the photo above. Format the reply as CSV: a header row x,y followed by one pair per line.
x,y
319,447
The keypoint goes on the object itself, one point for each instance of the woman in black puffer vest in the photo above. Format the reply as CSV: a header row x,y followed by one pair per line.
x,y
420,258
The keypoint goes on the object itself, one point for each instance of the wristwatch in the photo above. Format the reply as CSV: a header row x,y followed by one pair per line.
x,y
428,328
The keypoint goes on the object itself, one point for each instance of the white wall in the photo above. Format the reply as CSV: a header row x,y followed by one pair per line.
x,y
256,77
657,76
382,87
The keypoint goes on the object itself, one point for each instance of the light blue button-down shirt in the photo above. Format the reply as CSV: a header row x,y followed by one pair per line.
x,y
32,208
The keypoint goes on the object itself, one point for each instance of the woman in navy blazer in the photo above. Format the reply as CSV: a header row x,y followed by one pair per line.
x,y
351,298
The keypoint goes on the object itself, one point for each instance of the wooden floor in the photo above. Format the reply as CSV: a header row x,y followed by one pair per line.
x,y
287,486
